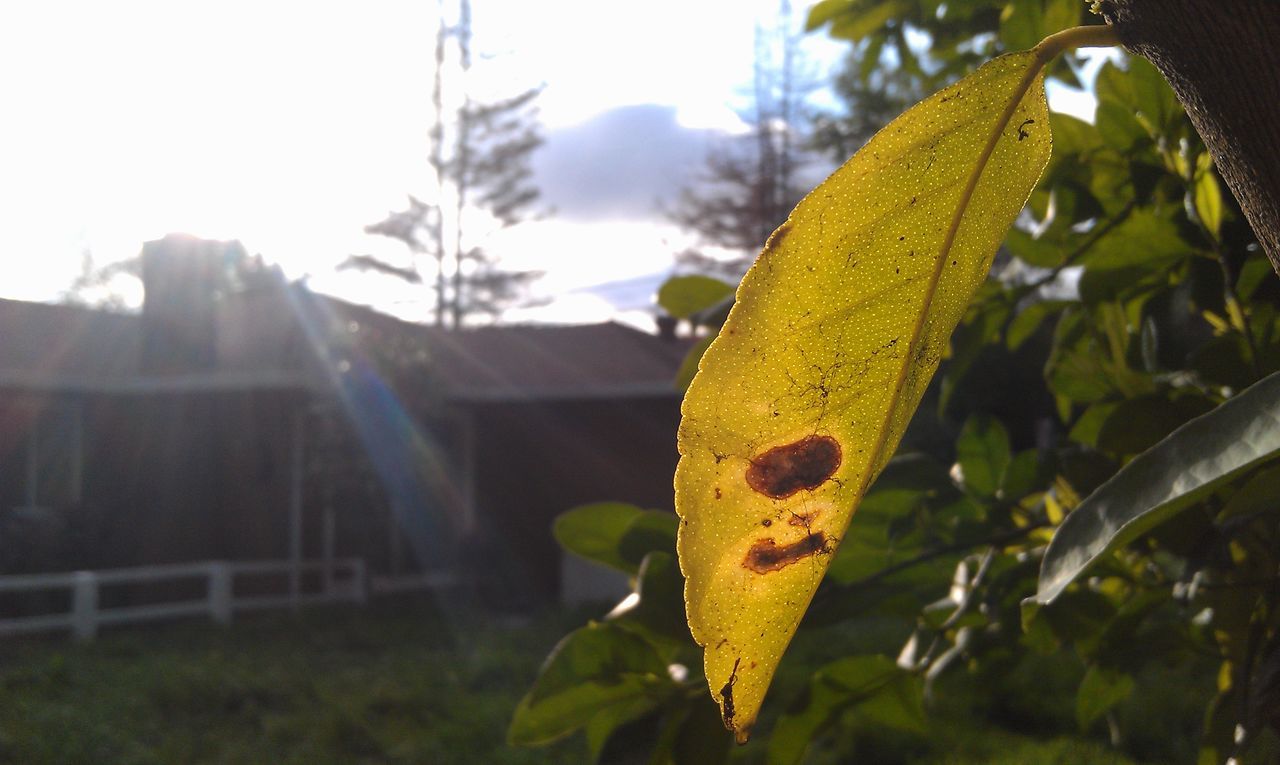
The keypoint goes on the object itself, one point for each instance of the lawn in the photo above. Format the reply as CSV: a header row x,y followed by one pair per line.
x,y
399,682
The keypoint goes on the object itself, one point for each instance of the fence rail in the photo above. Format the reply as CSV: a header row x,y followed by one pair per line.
x,y
344,580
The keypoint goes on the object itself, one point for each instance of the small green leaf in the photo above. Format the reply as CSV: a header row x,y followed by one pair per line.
x,y
1158,108
983,453
659,610
595,531
1255,271
1195,459
1026,473
854,26
839,686
1136,425
1208,201
1029,319
824,11
1060,14
689,367
1118,126
1259,494
598,669
650,531
1021,24
1141,239
1100,690
682,296
1043,252
1089,425
1072,135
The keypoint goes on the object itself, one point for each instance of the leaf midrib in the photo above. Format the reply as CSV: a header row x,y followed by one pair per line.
x,y
1033,72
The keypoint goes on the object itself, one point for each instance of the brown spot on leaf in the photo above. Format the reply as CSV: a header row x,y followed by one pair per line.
x,y
766,523
766,555
717,492
785,470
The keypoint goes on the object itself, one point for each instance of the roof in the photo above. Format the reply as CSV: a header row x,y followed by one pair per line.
x,y
65,341
502,363
70,348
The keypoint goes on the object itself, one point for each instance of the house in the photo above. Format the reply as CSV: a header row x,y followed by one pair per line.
x,y
242,418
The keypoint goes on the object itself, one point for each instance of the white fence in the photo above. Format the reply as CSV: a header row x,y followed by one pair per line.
x,y
343,580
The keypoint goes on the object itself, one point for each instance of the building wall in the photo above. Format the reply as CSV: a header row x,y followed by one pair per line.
x,y
537,460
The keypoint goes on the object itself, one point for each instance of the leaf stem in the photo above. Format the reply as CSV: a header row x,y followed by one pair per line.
x,y
1093,36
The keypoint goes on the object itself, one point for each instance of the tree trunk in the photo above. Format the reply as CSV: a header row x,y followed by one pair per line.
x,y
1222,58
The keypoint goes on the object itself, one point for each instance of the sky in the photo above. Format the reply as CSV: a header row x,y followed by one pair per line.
x,y
292,125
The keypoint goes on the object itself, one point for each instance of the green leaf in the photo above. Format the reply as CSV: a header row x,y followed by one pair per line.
x,y
689,367
1043,251
1157,107
682,296
1136,424
855,26
1021,24
1089,425
659,608
837,330
1208,201
1117,126
1060,14
983,453
1072,135
1029,319
824,11
1195,459
598,669
650,531
1256,270
595,531
1026,473
1100,690
1141,239
1259,494
892,697
1112,85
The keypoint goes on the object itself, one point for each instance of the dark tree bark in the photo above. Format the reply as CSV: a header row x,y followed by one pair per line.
x,y
1222,58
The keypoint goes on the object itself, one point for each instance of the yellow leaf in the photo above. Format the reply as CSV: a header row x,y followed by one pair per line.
x,y
837,329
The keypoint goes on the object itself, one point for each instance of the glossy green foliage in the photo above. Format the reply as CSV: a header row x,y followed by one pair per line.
x,y
1201,456
625,679
615,534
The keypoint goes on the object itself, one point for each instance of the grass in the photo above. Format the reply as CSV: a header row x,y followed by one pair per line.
x,y
401,682
397,683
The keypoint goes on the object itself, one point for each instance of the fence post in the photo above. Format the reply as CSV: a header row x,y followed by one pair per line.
x,y
220,592
84,605
359,581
